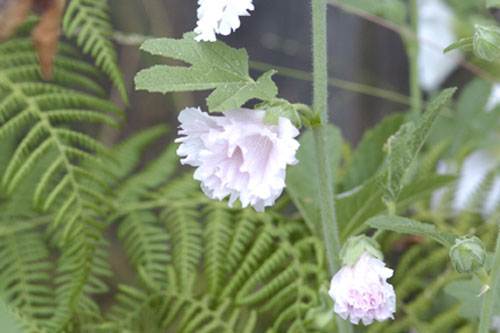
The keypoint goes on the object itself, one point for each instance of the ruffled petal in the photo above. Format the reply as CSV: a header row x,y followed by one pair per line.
x,y
220,17
362,293
238,154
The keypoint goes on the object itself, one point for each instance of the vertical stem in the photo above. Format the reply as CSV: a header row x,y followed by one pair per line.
x,y
329,226
489,297
326,195
412,50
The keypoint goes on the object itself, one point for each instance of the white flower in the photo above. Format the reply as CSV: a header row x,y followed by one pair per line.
x,y
362,292
494,98
495,323
237,155
474,170
220,16
435,25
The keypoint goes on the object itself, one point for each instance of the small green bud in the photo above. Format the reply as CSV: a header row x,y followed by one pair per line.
x,y
355,246
277,108
468,254
486,43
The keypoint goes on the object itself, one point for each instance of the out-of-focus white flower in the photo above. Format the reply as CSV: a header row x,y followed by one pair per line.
x,y
474,170
435,26
361,291
494,99
220,17
238,155
495,323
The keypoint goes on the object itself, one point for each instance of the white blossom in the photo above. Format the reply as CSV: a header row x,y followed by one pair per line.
x,y
237,155
435,32
361,291
495,323
220,17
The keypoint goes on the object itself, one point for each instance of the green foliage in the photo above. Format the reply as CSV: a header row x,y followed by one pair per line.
x,y
354,207
471,120
49,163
301,185
493,3
412,227
227,266
88,21
214,66
403,147
467,292
369,156
484,42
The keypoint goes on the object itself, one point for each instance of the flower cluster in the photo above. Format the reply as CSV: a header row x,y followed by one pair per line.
x,y
361,291
238,155
220,16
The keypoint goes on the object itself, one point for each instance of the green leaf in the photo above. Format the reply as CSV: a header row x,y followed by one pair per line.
x,y
369,155
466,292
493,3
463,43
354,207
301,182
407,226
470,119
213,66
403,147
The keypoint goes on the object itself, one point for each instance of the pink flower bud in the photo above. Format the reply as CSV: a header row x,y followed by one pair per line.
x,y
361,291
237,155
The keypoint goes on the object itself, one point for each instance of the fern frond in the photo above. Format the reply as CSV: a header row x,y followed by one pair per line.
x,y
89,22
24,274
183,224
128,152
38,113
217,236
146,244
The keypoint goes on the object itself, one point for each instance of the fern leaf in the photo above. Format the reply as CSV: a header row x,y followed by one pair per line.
x,y
182,222
88,21
217,236
146,244
24,274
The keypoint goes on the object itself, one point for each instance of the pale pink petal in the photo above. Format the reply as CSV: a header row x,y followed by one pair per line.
x,y
238,155
362,293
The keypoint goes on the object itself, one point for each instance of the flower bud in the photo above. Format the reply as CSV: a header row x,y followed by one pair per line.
x,y
278,108
355,246
486,42
468,254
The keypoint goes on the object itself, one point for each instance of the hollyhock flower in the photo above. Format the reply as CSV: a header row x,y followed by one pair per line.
x,y
361,291
238,155
220,16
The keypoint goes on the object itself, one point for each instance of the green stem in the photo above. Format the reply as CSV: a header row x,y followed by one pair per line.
x,y
329,226
412,50
489,297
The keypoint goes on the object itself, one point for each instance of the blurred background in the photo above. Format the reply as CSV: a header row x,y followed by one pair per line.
x,y
276,35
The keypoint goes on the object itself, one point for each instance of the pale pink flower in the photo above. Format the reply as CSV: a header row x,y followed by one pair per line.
x,y
238,155
220,16
361,291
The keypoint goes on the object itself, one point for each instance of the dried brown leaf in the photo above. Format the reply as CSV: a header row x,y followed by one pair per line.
x,y
46,34
12,15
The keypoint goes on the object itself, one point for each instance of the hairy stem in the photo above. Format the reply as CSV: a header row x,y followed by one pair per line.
x,y
412,50
329,228
489,297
